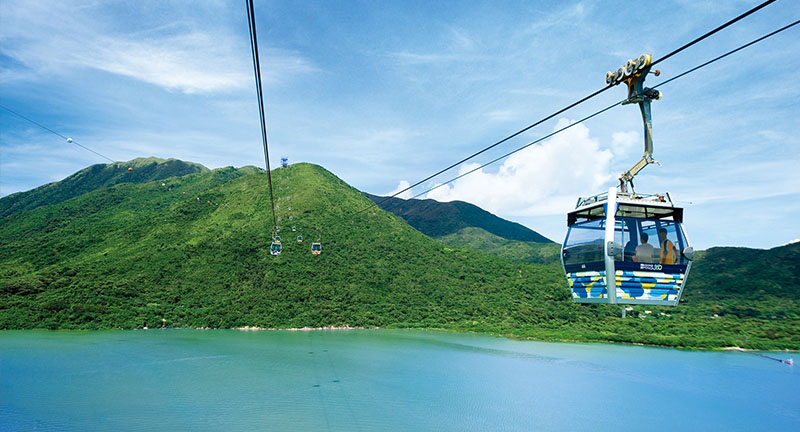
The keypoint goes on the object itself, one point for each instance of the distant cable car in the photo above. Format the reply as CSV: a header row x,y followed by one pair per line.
x,y
299,239
316,248
130,169
294,228
630,242
285,162
275,247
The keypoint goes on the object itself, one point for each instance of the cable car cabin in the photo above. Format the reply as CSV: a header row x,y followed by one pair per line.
x,y
275,248
299,239
638,239
316,248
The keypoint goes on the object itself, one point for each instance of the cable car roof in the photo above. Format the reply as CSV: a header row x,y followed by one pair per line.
x,y
653,206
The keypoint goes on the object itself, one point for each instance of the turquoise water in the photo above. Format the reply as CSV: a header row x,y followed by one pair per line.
x,y
379,380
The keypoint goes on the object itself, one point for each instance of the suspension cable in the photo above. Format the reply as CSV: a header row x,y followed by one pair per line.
x,y
520,149
68,139
751,11
491,146
251,19
609,107
753,42
676,51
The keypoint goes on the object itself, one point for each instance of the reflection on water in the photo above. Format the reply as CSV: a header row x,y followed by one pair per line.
x,y
373,380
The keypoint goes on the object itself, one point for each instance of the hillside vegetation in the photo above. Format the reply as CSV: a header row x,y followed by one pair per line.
x,y
192,251
512,250
96,177
438,219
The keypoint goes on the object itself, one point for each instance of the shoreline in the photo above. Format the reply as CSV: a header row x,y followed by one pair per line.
x,y
510,336
249,328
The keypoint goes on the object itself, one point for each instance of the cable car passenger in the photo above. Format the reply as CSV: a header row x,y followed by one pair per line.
x,y
645,251
668,254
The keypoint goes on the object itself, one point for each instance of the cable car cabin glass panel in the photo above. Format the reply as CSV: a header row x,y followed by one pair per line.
x,y
649,212
650,268
583,248
648,265
644,244
582,256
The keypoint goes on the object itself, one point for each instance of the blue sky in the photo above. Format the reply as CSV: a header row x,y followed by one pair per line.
x,y
386,93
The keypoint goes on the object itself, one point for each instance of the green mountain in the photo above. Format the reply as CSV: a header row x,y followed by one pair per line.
x,y
512,250
193,251
750,273
747,282
95,177
438,219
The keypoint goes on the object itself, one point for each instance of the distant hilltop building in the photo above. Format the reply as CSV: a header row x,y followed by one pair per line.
x,y
285,162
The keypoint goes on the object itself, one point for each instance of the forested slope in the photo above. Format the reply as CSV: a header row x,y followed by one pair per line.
x,y
192,251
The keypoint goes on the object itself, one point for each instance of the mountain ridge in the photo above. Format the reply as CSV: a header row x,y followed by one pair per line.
x,y
193,251
438,219
102,175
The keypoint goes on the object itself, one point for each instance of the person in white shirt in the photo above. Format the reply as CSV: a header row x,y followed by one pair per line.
x,y
645,251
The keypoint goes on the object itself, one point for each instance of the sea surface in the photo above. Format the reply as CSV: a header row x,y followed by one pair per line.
x,y
379,380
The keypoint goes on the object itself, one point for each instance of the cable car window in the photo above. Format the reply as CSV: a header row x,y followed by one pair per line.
x,y
619,234
584,243
643,241
597,212
670,242
628,236
649,212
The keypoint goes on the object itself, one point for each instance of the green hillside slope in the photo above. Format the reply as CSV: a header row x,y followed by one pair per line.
x,y
133,254
746,282
96,177
512,250
749,273
437,219
192,251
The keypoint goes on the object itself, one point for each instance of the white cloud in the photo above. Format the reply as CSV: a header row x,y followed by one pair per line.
x,y
501,115
185,63
455,45
404,184
623,142
571,15
411,58
185,59
460,39
374,147
540,180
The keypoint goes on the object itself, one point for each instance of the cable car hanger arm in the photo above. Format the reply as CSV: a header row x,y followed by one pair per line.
x,y
634,74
